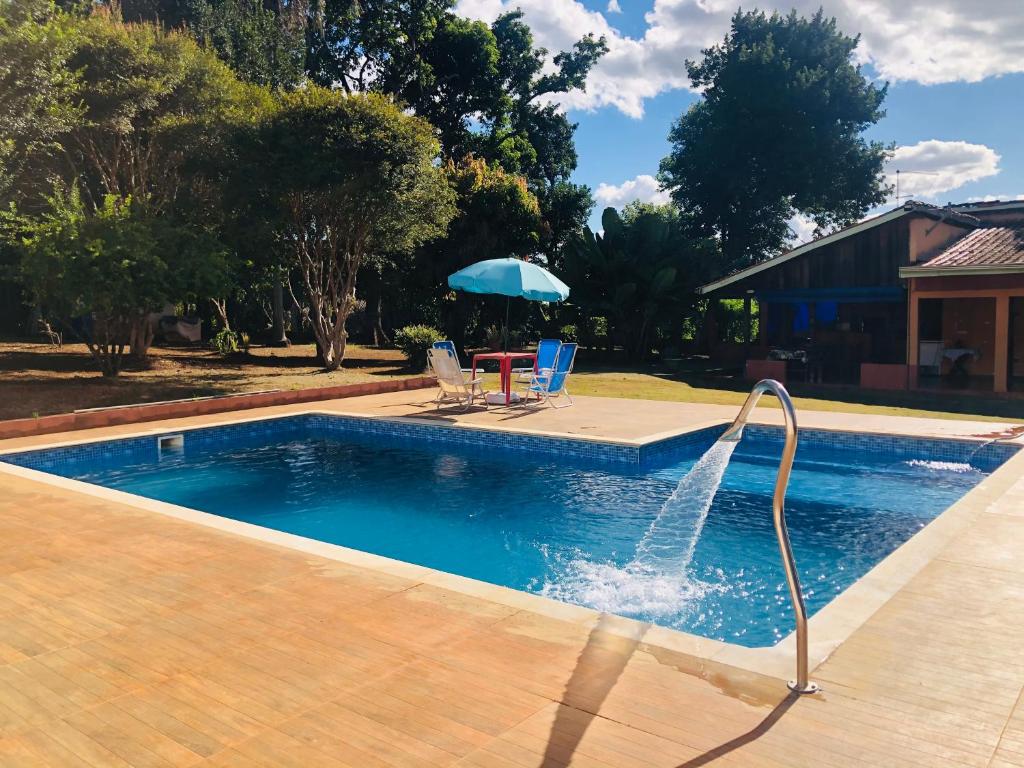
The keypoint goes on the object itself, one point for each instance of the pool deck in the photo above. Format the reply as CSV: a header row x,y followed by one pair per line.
x,y
131,637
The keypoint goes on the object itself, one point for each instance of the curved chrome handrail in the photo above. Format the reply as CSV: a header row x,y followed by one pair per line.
x,y
734,433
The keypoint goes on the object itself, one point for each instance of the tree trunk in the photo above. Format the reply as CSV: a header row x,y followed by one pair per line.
x,y
220,308
375,313
141,337
106,341
278,337
331,347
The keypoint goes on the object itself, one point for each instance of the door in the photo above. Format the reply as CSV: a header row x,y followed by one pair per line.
x,y
1016,339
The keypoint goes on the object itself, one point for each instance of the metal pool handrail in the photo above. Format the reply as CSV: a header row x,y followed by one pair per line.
x,y
733,434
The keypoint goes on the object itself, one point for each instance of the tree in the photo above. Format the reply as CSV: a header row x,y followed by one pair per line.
x,y
35,91
147,99
137,103
262,44
497,217
102,271
779,129
640,274
341,178
486,89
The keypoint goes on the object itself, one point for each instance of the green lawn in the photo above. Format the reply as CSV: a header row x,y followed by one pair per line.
x,y
38,380
697,386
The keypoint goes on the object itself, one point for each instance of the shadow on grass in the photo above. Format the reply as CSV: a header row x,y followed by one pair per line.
x,y
710,378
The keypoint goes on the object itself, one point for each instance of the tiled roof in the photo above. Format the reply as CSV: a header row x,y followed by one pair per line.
x,y
986,247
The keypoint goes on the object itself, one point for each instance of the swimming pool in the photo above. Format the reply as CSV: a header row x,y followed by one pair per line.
x,y
557,516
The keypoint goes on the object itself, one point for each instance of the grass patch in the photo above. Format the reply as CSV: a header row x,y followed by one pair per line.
x,y
38,380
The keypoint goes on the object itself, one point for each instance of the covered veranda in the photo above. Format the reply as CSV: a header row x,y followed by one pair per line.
x,y
966,314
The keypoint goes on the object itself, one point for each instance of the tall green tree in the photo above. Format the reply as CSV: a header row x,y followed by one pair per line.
x,y
640,274
138,103
263,43
36,92
145,100
498,217
486,88
101,271
778,130
339,178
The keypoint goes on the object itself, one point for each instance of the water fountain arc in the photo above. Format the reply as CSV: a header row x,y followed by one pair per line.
x,y
734,434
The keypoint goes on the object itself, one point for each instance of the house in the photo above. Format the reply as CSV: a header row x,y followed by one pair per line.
x,y
920,296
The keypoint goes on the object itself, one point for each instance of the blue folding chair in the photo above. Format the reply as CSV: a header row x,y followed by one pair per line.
x,y
550,383
449,347
547,350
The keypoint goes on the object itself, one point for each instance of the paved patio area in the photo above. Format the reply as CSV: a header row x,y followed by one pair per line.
x,y
128,637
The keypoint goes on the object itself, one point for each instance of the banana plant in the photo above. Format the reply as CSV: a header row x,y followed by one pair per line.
x,y
640,274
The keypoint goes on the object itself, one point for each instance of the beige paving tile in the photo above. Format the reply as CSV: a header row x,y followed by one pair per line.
x,y
128,637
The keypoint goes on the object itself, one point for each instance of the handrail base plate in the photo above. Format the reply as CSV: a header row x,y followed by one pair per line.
x,y
809,688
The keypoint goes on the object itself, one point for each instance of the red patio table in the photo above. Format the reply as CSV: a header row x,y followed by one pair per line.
x,y
505,367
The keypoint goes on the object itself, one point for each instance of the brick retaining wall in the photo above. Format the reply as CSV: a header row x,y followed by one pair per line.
x,y
132,414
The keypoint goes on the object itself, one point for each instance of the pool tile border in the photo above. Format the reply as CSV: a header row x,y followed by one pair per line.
x,y
985,455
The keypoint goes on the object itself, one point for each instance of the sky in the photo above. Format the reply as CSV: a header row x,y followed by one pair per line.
x,y
955,68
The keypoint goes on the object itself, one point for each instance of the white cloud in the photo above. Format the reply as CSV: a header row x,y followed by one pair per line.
x,y
643,188
927,41
614,7
802,229
994,198
932,167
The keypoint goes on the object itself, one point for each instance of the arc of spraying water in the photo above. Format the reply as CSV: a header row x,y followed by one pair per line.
x,y
734,434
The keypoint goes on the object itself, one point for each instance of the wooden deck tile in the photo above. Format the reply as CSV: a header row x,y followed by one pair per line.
x,y
132,639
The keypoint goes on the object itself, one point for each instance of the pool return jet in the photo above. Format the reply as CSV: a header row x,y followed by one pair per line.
x,y
734,434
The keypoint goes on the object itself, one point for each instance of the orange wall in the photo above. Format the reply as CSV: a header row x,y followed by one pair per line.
x,y
928,236
1012,284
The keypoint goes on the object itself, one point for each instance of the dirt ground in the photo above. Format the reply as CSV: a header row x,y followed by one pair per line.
x,y
38,379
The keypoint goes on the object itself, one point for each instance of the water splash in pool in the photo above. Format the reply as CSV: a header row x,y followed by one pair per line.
x,y
942,466
656,581
669,543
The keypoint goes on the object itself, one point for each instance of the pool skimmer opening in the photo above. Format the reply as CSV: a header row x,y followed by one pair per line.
x,y
170,444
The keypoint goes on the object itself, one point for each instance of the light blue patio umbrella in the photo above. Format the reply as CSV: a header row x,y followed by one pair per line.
x,y
511,278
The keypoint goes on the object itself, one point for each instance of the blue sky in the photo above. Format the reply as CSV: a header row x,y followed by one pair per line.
x,y
955,107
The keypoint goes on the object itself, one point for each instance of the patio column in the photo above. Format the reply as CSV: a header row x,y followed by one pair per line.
x,y
1001,363
747,327
913,330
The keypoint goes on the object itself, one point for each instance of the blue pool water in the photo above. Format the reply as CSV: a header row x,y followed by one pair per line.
x,y
552,523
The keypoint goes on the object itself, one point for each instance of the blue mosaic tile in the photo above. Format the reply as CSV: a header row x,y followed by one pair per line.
x,y
984,456
411,434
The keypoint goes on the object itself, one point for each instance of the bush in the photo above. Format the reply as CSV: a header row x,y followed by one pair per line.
x,y
414,341
225,342
569,333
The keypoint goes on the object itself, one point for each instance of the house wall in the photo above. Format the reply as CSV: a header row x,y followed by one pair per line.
x,y
869,259
927,237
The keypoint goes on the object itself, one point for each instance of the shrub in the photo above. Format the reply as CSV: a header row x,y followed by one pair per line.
x,y
225,342
414,341
569,333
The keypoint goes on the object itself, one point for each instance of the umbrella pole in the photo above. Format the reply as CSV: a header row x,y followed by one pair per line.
x,y
508,301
